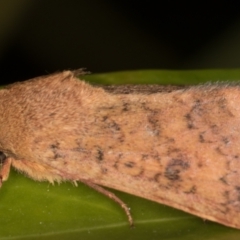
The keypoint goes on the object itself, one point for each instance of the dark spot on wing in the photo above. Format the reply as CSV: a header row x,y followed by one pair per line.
x,y
174,169
100,154
130,164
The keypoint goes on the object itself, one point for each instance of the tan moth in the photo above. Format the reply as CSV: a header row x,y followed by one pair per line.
x,y
176,146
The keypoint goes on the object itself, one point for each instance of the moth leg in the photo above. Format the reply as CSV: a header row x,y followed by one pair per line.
x,y
111,196
5,169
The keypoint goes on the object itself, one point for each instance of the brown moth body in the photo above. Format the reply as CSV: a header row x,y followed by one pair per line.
x,y
177,147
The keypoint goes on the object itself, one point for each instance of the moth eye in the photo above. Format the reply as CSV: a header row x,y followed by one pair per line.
x,y
2,158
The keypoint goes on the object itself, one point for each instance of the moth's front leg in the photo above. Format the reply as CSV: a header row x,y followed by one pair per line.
x,y
5,163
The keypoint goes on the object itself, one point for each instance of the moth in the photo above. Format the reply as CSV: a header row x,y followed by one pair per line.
x,y
175,146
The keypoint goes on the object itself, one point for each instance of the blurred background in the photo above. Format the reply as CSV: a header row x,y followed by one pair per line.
x,y
43,36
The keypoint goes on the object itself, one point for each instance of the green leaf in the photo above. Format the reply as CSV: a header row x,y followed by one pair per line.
x,y
38,210
165,76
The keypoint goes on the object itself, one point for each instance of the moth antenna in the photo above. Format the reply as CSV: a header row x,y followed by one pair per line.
x,y
111,196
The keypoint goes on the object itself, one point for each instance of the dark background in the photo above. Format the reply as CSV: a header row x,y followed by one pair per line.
x,y
43,36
